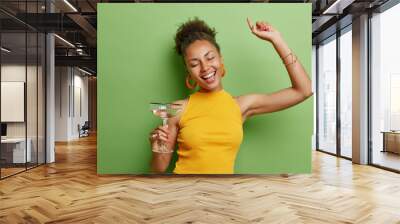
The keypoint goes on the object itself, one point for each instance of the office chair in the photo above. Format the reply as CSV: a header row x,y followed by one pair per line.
x,y
84,130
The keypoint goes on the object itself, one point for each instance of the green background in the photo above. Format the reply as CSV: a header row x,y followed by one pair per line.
x,y
137,65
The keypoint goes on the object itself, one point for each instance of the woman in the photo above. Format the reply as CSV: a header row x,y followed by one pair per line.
x,y
209,128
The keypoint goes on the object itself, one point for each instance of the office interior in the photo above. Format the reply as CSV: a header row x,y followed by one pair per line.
x,y
48,77
48,80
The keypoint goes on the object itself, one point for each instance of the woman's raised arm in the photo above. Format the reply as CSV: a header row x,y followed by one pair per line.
x,y
253,104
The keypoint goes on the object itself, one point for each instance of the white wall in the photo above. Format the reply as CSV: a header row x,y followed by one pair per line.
x,y
15,72
33,127
9,73
79,117
62,81
71,102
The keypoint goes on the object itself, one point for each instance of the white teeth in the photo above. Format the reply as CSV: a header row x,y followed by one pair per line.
x,y
209,75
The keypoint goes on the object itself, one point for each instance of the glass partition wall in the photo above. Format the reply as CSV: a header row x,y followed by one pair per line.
x,y
334,83
22,88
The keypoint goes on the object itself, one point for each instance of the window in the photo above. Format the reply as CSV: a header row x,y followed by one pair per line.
x,y
385,89
346,75
327,96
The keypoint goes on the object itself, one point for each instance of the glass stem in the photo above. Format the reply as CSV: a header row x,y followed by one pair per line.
x,y
165,121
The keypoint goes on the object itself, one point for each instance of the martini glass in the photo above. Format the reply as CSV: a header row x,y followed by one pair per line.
x,y
164,111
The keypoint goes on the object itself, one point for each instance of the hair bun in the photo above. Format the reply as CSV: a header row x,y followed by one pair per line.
x,y
193,29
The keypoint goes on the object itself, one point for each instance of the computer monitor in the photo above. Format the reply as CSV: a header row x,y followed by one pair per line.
x,y
3,129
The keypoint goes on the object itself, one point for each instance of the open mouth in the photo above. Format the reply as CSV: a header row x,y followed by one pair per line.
x,y
210,77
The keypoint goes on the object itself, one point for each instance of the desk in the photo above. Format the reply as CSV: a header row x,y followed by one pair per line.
x,y
15,148
391,141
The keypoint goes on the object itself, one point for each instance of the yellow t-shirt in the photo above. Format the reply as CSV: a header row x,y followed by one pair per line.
x,y
210,134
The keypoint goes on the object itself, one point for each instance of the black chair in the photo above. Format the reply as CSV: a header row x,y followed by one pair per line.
x,y
84,130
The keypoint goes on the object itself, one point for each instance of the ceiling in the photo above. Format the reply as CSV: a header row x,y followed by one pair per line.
x,y
76,21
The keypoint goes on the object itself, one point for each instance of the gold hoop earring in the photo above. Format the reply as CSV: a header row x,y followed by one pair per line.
x,y
188,84
223,70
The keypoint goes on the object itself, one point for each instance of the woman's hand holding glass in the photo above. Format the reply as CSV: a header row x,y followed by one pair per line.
x,y
159,138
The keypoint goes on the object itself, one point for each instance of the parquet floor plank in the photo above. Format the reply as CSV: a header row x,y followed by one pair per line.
x,y
70,191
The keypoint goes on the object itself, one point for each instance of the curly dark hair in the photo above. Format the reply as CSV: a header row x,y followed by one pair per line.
x,y
192,30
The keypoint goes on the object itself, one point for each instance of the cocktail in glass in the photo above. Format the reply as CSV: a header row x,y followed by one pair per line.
x,y
164,111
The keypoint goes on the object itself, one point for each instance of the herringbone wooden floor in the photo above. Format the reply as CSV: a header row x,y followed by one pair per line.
x,y
69,191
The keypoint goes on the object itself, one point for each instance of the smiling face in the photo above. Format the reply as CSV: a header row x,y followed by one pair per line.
x,y
204,64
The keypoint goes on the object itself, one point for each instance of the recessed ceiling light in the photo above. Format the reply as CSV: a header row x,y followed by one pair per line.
x,y
70,5
64,40
5,50
337,7
84,71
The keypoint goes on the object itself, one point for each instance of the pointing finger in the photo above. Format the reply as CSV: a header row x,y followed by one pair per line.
x,y
250,24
